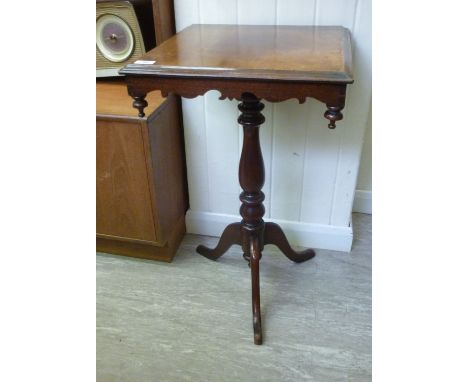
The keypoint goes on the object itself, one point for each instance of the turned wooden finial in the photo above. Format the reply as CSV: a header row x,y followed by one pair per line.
x,y
333,114
140,103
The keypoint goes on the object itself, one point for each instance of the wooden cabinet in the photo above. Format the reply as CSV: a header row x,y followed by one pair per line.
x,y
141,194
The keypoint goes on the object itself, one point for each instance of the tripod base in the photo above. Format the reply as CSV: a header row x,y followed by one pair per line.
x,y
272,234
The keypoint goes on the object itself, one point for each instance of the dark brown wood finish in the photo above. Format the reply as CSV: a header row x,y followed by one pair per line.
x,y
273,91
164,23
252,233
231,235
275,235
250,63
251,179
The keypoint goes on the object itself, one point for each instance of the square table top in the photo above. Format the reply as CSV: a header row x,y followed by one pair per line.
x,y
319,54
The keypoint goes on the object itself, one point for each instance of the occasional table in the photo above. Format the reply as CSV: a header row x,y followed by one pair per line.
x,y
249,63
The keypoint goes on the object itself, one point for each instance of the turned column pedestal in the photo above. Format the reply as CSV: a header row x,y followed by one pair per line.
x,y
252,233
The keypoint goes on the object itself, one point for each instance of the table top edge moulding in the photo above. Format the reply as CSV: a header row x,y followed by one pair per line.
x,y
250,63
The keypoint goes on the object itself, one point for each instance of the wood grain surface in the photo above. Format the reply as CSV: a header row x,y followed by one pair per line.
x,y
164,23
304,53
122,187
166,165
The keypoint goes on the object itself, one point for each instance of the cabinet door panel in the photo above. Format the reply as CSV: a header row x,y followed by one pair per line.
x,y
124,206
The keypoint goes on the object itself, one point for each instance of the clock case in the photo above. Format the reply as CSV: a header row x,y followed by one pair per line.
x,y
145,20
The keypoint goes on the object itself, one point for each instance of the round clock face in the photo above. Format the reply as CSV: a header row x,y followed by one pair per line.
x,y
114,38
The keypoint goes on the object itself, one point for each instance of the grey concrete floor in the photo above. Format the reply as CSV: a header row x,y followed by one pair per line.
x,y
191,320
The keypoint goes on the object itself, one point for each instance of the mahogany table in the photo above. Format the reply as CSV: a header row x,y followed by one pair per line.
x,y
249,63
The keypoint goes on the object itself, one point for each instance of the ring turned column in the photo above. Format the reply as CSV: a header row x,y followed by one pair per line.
x,y
251,179
251,172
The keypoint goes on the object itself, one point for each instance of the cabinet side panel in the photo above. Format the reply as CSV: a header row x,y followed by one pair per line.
x,y
123,204
167,159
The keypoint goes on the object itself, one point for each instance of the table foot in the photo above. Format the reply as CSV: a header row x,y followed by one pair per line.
x,y
231,235
255,273
275,235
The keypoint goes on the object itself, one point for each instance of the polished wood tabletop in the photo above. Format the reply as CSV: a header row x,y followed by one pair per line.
x,y
258,52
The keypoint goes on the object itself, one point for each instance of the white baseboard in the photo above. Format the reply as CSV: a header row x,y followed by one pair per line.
x,y
363,202
301,234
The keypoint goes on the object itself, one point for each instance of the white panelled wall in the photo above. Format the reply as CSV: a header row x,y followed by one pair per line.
x,y
311,171
363,196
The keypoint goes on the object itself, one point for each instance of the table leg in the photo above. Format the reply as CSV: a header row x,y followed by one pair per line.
x,y
255,275
231,235
275,235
